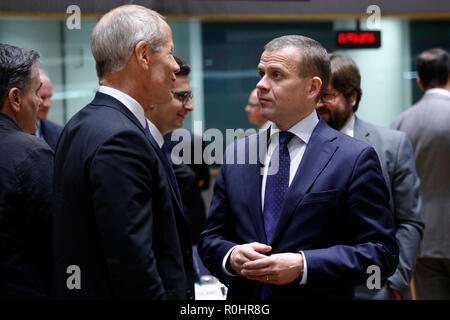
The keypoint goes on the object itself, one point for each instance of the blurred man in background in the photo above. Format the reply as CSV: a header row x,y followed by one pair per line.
x,y
427,124
254,113
47,129
337,107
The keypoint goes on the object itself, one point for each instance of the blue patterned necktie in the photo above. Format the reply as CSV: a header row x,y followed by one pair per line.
x,y
276,184
168,166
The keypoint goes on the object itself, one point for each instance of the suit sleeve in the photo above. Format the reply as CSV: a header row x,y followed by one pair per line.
x,y
213,244
121,179
35,176
370,234
407,203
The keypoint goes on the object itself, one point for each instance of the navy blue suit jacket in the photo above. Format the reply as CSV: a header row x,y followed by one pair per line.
x,y
117,217
51,132
336,211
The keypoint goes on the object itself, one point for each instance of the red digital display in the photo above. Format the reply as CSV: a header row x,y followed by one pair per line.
x,y
358,39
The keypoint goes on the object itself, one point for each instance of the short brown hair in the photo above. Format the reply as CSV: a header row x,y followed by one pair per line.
x,y
433,67
314,61
345,77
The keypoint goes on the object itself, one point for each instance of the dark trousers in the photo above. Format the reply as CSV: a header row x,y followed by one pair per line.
x,y
432,279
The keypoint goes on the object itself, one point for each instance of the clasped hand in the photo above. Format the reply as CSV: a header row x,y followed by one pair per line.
x,y
249,261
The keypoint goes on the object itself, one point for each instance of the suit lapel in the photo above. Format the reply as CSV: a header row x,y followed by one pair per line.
x,y
108,101
361,132
105,100
166,168
318,153
252,182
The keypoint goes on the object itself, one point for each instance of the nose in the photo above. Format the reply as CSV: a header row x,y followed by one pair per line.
x,y
262,85
41,102
176,67
189,106
319,104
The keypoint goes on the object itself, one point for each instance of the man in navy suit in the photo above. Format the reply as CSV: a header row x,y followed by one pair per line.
x,y
311,218
120,231
47,129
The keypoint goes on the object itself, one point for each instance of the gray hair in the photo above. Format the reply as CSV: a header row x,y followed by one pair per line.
x,y
16,69
314,60
117,33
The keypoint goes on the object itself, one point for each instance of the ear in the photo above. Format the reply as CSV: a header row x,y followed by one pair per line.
x,y
14,99
419,83
314,88
142,53
353,99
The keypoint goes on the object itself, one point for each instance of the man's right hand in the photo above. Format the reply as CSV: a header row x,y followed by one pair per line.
x,y
247,252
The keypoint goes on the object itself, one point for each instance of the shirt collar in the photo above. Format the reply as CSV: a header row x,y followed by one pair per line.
x,y
438,91
302,129
349,127
155,133
38,129
131,104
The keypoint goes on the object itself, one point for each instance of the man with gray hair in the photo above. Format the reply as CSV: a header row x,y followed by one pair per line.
x,y
311,228
120,230
26,171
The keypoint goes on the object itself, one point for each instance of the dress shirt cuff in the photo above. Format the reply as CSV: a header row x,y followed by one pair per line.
x,y
305,270
224,264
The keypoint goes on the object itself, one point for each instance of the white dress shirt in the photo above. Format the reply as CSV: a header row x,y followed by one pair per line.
x,y
438,91
136,109
302,131
38,129
349,127
131,104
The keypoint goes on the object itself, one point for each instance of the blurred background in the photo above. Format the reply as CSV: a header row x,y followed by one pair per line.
x,y
223,41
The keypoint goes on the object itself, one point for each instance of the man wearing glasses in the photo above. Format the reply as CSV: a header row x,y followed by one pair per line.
x,y
337,107
170,116
166,118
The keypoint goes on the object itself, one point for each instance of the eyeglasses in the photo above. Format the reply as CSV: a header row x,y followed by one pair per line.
x,y
183,96
329,97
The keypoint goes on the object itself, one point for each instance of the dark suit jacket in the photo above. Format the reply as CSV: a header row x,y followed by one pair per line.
x,y
117,216
399,170
336,211
26,173
189,175
51,132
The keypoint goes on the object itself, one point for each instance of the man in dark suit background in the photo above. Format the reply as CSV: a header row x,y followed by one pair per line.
x,y
337,106
120,231
310,218
427,125
192,177
26,165
47,129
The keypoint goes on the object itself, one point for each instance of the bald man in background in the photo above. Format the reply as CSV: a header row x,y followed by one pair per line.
x,y
47,129
253,111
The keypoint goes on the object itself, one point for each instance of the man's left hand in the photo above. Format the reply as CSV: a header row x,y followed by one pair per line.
x,y
279,268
